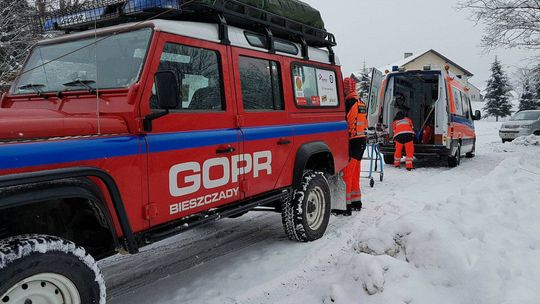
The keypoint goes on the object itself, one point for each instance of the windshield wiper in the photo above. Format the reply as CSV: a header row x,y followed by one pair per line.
x,y
36,87
82,83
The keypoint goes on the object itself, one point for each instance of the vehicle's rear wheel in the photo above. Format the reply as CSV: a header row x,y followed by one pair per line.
x,y
388,159
455,160
46,269
306,215
537,133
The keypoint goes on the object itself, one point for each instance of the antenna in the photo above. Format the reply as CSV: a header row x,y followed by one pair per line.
x,y
97,79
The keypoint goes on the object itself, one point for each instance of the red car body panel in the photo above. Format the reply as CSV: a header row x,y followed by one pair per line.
x,y
42,133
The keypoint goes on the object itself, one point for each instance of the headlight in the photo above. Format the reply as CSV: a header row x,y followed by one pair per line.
x,y
526,126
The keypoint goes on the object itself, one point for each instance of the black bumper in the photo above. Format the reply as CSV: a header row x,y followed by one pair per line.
x,y
419,150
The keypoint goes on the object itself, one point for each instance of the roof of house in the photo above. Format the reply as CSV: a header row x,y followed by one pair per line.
x,y
475,86
415,57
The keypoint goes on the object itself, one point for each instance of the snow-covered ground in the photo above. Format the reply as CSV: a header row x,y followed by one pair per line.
x,y
434,235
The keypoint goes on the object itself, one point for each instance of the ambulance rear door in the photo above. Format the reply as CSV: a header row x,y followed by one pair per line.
x,y
442,112
374,102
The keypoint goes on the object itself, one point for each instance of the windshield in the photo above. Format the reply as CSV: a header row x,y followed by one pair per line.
x,y
113,62
526,116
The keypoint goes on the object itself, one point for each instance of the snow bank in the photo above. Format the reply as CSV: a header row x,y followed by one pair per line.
x,y
531,140
479,246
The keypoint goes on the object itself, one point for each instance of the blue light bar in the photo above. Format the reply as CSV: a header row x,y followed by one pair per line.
x,y
103,10
395,68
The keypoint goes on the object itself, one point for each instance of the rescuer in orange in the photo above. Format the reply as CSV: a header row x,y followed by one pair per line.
x,y
357,121
403,136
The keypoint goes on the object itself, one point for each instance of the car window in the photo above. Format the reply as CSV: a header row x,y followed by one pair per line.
x,y
465,105
199,77
526,116
457,101
261,84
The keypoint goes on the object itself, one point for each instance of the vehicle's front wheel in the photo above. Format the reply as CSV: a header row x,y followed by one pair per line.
x,y
455,160
472,153
306,215
47,269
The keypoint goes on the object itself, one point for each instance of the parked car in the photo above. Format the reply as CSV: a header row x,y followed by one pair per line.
x,y
523,123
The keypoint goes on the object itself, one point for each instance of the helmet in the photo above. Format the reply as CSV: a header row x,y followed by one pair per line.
x,y
349,85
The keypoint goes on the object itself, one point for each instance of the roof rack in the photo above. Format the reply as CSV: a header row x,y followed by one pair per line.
x,y
102,13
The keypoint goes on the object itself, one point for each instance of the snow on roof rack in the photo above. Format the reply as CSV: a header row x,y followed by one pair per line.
x,y
102,13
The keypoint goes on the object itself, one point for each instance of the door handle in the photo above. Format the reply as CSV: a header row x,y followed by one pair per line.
x,y
283,141
225,150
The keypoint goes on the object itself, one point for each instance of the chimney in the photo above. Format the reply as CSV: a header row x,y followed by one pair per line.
x,y
407,55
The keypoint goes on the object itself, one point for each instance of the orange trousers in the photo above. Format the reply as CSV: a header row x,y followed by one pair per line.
x,y
409,152
351,175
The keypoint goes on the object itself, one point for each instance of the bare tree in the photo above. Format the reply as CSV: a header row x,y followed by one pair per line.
x,y
16,37
509,23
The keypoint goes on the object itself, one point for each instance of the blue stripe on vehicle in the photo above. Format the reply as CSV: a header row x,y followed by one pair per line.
x,y
20,155
261,133
189,140
463,121
310,129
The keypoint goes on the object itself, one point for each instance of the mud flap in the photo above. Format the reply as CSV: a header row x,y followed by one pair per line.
x,y
337,192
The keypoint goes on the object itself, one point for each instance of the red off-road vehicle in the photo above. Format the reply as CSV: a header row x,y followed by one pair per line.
x,y
118,137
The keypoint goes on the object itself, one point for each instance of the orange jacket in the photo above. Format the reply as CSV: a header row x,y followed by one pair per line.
x,y
403,126
357,120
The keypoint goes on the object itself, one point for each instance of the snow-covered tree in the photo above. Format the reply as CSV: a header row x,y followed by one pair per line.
x,y
535,84
508,23
498,93
527,100
16,37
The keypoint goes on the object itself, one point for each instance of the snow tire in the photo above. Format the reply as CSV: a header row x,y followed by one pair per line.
x,y
27,261
295,211
472,153
455,160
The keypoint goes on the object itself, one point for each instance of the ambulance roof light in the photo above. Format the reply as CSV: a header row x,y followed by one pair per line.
x,y
395,68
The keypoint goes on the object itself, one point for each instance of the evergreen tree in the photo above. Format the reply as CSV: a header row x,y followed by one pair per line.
x,y
527,100
535,85
498,93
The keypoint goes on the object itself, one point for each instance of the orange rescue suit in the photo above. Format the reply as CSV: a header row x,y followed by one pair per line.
x,y
357,122
357,119
403,137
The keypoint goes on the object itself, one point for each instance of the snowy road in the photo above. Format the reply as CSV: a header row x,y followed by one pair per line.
x,y
464,235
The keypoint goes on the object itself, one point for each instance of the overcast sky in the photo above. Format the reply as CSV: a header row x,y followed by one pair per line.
x,y
381,31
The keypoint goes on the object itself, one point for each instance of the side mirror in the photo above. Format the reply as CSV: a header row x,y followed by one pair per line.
x,y
167,94
167,90
477,115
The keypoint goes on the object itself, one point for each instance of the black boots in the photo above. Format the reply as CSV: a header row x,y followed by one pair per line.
x,y
347,212
356,206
